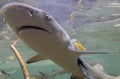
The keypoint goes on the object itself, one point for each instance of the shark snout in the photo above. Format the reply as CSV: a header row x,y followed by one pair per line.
x,y
21,17
15,11
18,14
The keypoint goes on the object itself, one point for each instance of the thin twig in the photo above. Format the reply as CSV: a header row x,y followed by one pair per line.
x,y
20,60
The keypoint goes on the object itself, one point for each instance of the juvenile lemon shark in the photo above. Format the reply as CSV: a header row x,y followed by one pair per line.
x,y
43,34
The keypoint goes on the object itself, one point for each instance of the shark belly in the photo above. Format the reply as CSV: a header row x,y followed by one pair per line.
x,y
52,48
67,61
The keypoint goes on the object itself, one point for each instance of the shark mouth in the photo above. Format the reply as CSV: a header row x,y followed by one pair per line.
x,y
32,27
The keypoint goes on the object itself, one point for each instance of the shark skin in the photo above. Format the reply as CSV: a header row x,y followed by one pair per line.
x,y
43,34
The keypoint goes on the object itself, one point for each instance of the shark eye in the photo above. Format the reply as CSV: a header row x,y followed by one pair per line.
x,y
31,12
47,17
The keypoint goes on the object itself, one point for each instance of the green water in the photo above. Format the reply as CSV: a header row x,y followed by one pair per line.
x,y
94,41
12,66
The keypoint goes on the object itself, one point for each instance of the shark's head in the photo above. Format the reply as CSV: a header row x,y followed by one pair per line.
x,y
33,25
24,17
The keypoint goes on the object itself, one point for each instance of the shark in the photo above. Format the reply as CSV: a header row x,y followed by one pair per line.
x,y
95,71
42,33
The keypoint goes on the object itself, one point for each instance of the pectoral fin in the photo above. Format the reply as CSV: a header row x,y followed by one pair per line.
x,y
77,49
87,52
91,52
35,59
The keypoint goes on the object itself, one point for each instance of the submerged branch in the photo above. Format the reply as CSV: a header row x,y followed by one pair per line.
x,y
20,60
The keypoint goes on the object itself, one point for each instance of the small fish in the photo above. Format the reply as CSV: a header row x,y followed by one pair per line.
x,y
6,73
42,33
2,72
47,76
12,57
117,25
